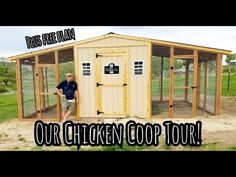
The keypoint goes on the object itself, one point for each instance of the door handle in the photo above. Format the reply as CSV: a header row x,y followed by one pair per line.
x,y
98,84
99,112
193,87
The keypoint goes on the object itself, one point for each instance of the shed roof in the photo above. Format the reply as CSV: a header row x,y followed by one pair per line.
x,y
154,41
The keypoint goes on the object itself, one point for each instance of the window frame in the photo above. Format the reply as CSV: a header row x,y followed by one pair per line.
x,y
82,69
136,75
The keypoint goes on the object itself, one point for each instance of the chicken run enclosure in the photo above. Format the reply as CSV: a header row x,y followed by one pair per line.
x,y
122,76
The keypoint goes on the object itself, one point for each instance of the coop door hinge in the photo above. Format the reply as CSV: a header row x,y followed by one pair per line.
x,y
99,112
97,55
98,84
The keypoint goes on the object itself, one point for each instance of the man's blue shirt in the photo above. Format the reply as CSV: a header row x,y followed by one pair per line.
x,y
68,88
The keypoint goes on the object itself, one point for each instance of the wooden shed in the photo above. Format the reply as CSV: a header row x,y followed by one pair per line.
x,y
122,76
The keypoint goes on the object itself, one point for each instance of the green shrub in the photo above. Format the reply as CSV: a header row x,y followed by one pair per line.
x,y
13,87
3,89
226,69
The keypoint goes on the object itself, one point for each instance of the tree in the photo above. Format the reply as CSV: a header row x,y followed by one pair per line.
x,y
64,68
7,72
230,58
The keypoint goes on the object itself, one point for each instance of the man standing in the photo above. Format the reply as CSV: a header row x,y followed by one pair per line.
x,y
67,90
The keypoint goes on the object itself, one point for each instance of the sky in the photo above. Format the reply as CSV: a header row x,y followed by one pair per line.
x,y
12,39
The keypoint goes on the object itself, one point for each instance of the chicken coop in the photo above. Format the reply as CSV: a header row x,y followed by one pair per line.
x,y
122,76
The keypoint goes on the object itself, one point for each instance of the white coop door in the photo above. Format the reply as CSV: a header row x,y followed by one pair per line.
x,y
111,84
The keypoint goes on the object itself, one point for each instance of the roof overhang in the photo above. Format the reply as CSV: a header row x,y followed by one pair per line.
x,y
153,41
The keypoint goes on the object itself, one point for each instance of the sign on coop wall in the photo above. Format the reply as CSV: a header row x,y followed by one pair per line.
x,y
111,69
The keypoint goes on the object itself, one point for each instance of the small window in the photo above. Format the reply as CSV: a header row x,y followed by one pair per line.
x,y
138,67
86,69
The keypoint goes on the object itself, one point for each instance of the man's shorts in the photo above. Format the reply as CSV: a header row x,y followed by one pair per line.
x,y
66,105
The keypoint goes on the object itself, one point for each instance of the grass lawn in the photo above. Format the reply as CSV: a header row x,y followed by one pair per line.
x,y
8,106
232,90
8,100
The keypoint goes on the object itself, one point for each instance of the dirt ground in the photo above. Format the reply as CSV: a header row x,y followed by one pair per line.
x,y
228,105
19,135
217,131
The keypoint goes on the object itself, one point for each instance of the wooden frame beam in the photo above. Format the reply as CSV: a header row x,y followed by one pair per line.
x,y
98,89
35,104
218,84
184,56
161,83
77,75
39,114
126,89
41,87
149,80
46,65
58,108
171,90
205,83
198,85
195,75
186,81
46,88
19,90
